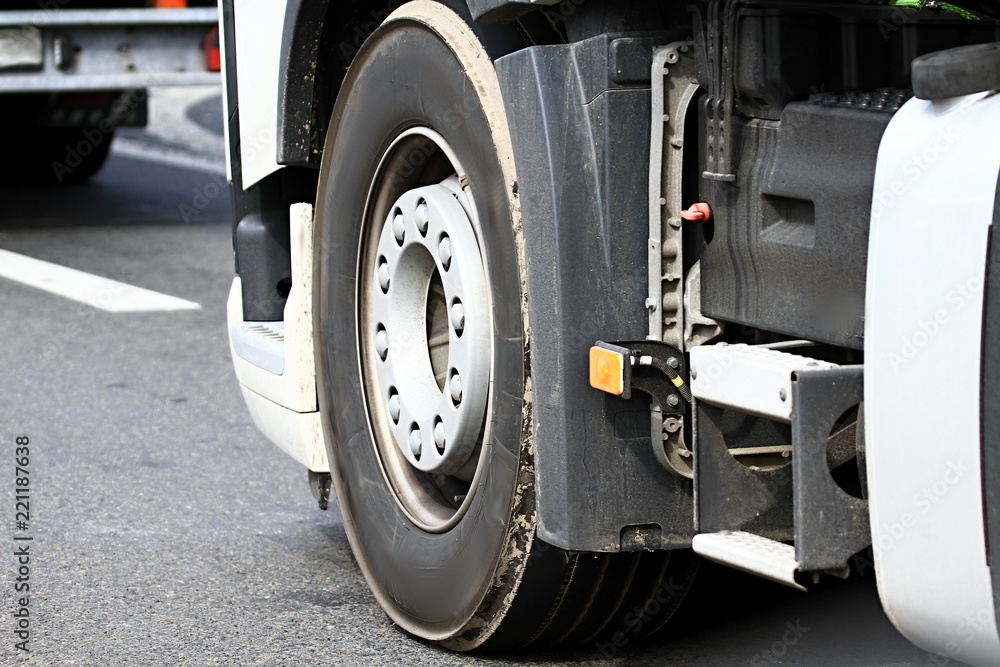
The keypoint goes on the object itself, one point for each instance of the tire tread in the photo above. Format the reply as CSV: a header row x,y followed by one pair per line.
x,y
597,597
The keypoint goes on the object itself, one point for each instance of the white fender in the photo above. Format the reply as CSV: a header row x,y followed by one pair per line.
x,y
935,184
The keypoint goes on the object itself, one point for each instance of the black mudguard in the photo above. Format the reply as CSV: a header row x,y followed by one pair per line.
x,y
581,143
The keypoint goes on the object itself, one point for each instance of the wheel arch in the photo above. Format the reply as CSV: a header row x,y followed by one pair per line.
x,y
301,42
320,39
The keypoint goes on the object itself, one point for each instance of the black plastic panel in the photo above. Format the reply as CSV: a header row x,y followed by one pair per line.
x,y
813,85
789,50
499,11
791,235
581,144
262,241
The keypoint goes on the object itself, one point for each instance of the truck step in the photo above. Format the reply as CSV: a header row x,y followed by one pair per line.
x,y
749,378
750,553
260,343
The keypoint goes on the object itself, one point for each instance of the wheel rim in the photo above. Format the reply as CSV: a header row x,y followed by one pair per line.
x,y
425,334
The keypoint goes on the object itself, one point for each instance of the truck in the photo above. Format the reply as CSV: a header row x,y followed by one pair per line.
x,y
71,73
559,298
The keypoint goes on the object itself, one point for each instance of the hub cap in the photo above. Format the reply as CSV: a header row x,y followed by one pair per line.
x,y
430,327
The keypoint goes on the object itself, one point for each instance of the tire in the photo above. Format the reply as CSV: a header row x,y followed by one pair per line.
x,y
418,150
58,145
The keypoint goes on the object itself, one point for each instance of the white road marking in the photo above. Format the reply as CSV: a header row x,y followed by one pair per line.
x,y
103,293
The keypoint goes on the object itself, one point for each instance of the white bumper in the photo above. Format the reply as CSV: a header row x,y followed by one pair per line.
x,y
275,362
935,184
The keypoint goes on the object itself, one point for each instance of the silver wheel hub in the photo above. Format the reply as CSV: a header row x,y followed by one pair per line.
x,y
435,418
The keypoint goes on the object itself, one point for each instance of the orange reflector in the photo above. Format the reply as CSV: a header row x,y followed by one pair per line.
x,y
170,4
607,370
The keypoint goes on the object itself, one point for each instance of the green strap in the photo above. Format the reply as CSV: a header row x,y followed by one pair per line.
x,y
919,4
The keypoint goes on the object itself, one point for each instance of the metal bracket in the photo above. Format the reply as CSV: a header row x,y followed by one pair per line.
x,y
669,406
731,495
760,494
668,409
674,85
830,525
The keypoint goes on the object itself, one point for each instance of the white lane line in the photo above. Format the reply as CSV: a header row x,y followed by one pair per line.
x,y
103,293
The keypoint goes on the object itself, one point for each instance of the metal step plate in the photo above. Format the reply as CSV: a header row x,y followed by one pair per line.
x,y
260,343
748,378
750,553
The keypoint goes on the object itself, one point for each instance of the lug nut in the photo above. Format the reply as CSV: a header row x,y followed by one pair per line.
x,y
458,316
455,385
415,442
444,252
439,435
397,228
420,218
394,406
383,275
382,343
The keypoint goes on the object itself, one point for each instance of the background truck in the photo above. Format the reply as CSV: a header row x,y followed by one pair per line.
x,y
563,297
72,72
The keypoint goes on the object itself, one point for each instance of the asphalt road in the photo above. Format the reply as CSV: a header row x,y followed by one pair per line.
x,y
167,530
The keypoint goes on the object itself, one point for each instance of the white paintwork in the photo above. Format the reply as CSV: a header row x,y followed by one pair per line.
x,y
95,291
935,182
749,378
284,406
258,54
751,553
299,434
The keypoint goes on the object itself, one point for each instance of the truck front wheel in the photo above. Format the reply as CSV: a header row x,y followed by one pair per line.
x,y
422,359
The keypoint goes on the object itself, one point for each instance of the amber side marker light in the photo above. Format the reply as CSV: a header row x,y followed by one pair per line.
x,y
609,369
